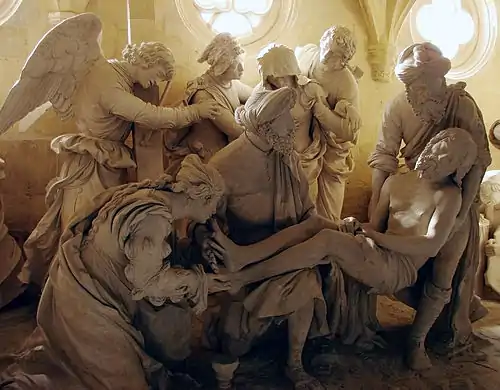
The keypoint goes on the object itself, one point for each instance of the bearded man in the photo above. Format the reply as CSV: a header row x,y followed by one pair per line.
x,y
273,195
267,195
427,107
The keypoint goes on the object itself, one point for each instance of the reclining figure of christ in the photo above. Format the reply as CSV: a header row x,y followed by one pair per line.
x,y
414,218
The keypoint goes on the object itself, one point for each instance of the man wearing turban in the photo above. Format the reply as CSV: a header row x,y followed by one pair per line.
x,y
267,193
221,85
427,107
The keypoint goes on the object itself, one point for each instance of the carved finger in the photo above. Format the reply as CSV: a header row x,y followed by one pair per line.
x,y
217,247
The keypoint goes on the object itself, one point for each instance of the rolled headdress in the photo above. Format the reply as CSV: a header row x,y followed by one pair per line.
x,y
421,59
263,107
338,38
277,60
221,52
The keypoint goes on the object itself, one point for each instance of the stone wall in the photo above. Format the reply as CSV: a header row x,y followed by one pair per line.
x,y
31,164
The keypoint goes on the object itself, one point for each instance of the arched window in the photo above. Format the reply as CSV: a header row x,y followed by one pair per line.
x,y
7,9
249,20
465,30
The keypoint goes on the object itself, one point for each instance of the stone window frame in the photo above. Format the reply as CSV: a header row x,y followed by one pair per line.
x,y
7,9
280,17
475,54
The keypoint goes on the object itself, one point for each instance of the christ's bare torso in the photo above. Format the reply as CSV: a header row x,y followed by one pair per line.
x,y
412,203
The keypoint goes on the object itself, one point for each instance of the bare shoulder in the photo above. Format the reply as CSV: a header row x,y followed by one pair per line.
x,y
398,179
449,199
224,159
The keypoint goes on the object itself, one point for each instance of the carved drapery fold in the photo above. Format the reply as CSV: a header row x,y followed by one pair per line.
x,y
383,20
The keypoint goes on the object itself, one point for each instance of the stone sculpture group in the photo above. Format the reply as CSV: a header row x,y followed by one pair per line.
x,y
255,176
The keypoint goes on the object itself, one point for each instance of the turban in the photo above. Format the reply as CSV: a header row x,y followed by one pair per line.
x,y
277,60
337,38
263,107
221,52
421,59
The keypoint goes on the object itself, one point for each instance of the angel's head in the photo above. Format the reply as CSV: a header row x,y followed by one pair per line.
x,y
151,63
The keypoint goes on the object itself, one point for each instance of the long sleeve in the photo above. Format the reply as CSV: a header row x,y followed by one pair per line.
x,y
336,120
332,121
158,281
385,155
470,119
129,107
225,122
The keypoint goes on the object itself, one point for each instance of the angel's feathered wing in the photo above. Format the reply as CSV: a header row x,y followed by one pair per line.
x,y
53,70
308,58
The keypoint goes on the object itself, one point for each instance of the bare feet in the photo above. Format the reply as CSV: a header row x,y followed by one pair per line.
x,y
417,358
224,372
302,380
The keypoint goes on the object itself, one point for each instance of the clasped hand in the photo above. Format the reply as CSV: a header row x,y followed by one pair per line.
x,y
213,251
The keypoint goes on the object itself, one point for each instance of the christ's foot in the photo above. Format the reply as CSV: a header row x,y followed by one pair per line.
x,y
302,380
418,359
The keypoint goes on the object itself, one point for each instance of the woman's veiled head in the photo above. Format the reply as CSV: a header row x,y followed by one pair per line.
x,y
267,114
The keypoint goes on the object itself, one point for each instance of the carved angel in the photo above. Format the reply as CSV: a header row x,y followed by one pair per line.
x,y
67,69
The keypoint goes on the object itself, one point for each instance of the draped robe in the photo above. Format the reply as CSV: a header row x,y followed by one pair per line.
x,y
400,124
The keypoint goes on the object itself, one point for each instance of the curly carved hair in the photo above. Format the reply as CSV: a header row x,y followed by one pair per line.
x,y
338,39
149,54
221,52
457,151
